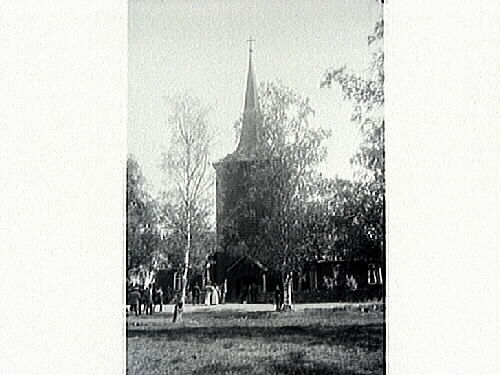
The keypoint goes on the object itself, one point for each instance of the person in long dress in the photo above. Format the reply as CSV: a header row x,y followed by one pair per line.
x,y
208,295
215,296
195,294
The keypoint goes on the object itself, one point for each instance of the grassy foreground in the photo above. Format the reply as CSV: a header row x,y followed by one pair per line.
x,y
243,342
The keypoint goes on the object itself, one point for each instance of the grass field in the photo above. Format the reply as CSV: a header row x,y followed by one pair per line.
x,y
257,342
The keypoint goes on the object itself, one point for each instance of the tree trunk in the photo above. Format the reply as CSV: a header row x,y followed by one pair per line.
x,y
287,292
185,276
179,306
186,259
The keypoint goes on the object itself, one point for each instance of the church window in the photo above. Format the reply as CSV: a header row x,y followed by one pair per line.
x,y
177,281
374,275
381,281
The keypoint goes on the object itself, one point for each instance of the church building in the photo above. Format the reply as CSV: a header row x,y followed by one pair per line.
x,y
231,267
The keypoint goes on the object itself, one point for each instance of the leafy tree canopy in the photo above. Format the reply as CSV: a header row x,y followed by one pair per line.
x,y
143,236
366,93
282,178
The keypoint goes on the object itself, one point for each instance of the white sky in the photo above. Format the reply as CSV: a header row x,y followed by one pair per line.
x,y
200,47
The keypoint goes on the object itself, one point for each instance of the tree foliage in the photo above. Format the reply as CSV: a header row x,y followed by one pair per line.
x,y
342,212
174,235
366,93
281,179
143,236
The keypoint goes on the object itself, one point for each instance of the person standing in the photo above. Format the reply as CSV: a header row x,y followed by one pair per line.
x,y
209,289
135,301
196,294
142,301
223,292
178,309
277,298
149,300
215,296
159,296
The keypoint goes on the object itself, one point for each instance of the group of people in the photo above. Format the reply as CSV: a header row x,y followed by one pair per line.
x,y
213,294
145,299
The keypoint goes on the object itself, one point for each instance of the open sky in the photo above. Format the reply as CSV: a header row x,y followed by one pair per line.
x,y
199,47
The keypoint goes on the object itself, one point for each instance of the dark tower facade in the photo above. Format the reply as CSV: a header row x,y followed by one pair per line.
x,y
232,177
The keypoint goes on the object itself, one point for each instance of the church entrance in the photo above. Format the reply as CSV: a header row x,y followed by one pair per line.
x,y
246,281
247,289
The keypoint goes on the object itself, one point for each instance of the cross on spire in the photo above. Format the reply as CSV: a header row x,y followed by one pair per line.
x,y
250,44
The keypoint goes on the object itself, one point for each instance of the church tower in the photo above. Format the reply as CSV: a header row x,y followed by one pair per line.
x,y
231,170
232,177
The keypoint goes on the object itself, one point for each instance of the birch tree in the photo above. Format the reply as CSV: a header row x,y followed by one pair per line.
x,y
188,171
280,180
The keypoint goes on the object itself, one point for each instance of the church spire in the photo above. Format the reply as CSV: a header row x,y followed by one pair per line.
x,y
249,135
251,93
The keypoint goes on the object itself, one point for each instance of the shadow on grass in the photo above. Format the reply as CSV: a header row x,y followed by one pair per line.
x,y
271,314
295,365
363,336
311,368
234,314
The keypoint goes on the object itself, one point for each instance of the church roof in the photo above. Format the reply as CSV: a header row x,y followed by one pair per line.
x,y
248,260
249,132
247,146
251,100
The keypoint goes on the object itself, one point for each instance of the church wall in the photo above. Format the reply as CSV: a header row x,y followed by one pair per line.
x,y
231,189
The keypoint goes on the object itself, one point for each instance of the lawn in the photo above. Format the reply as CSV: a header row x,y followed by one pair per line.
x,y
257,342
